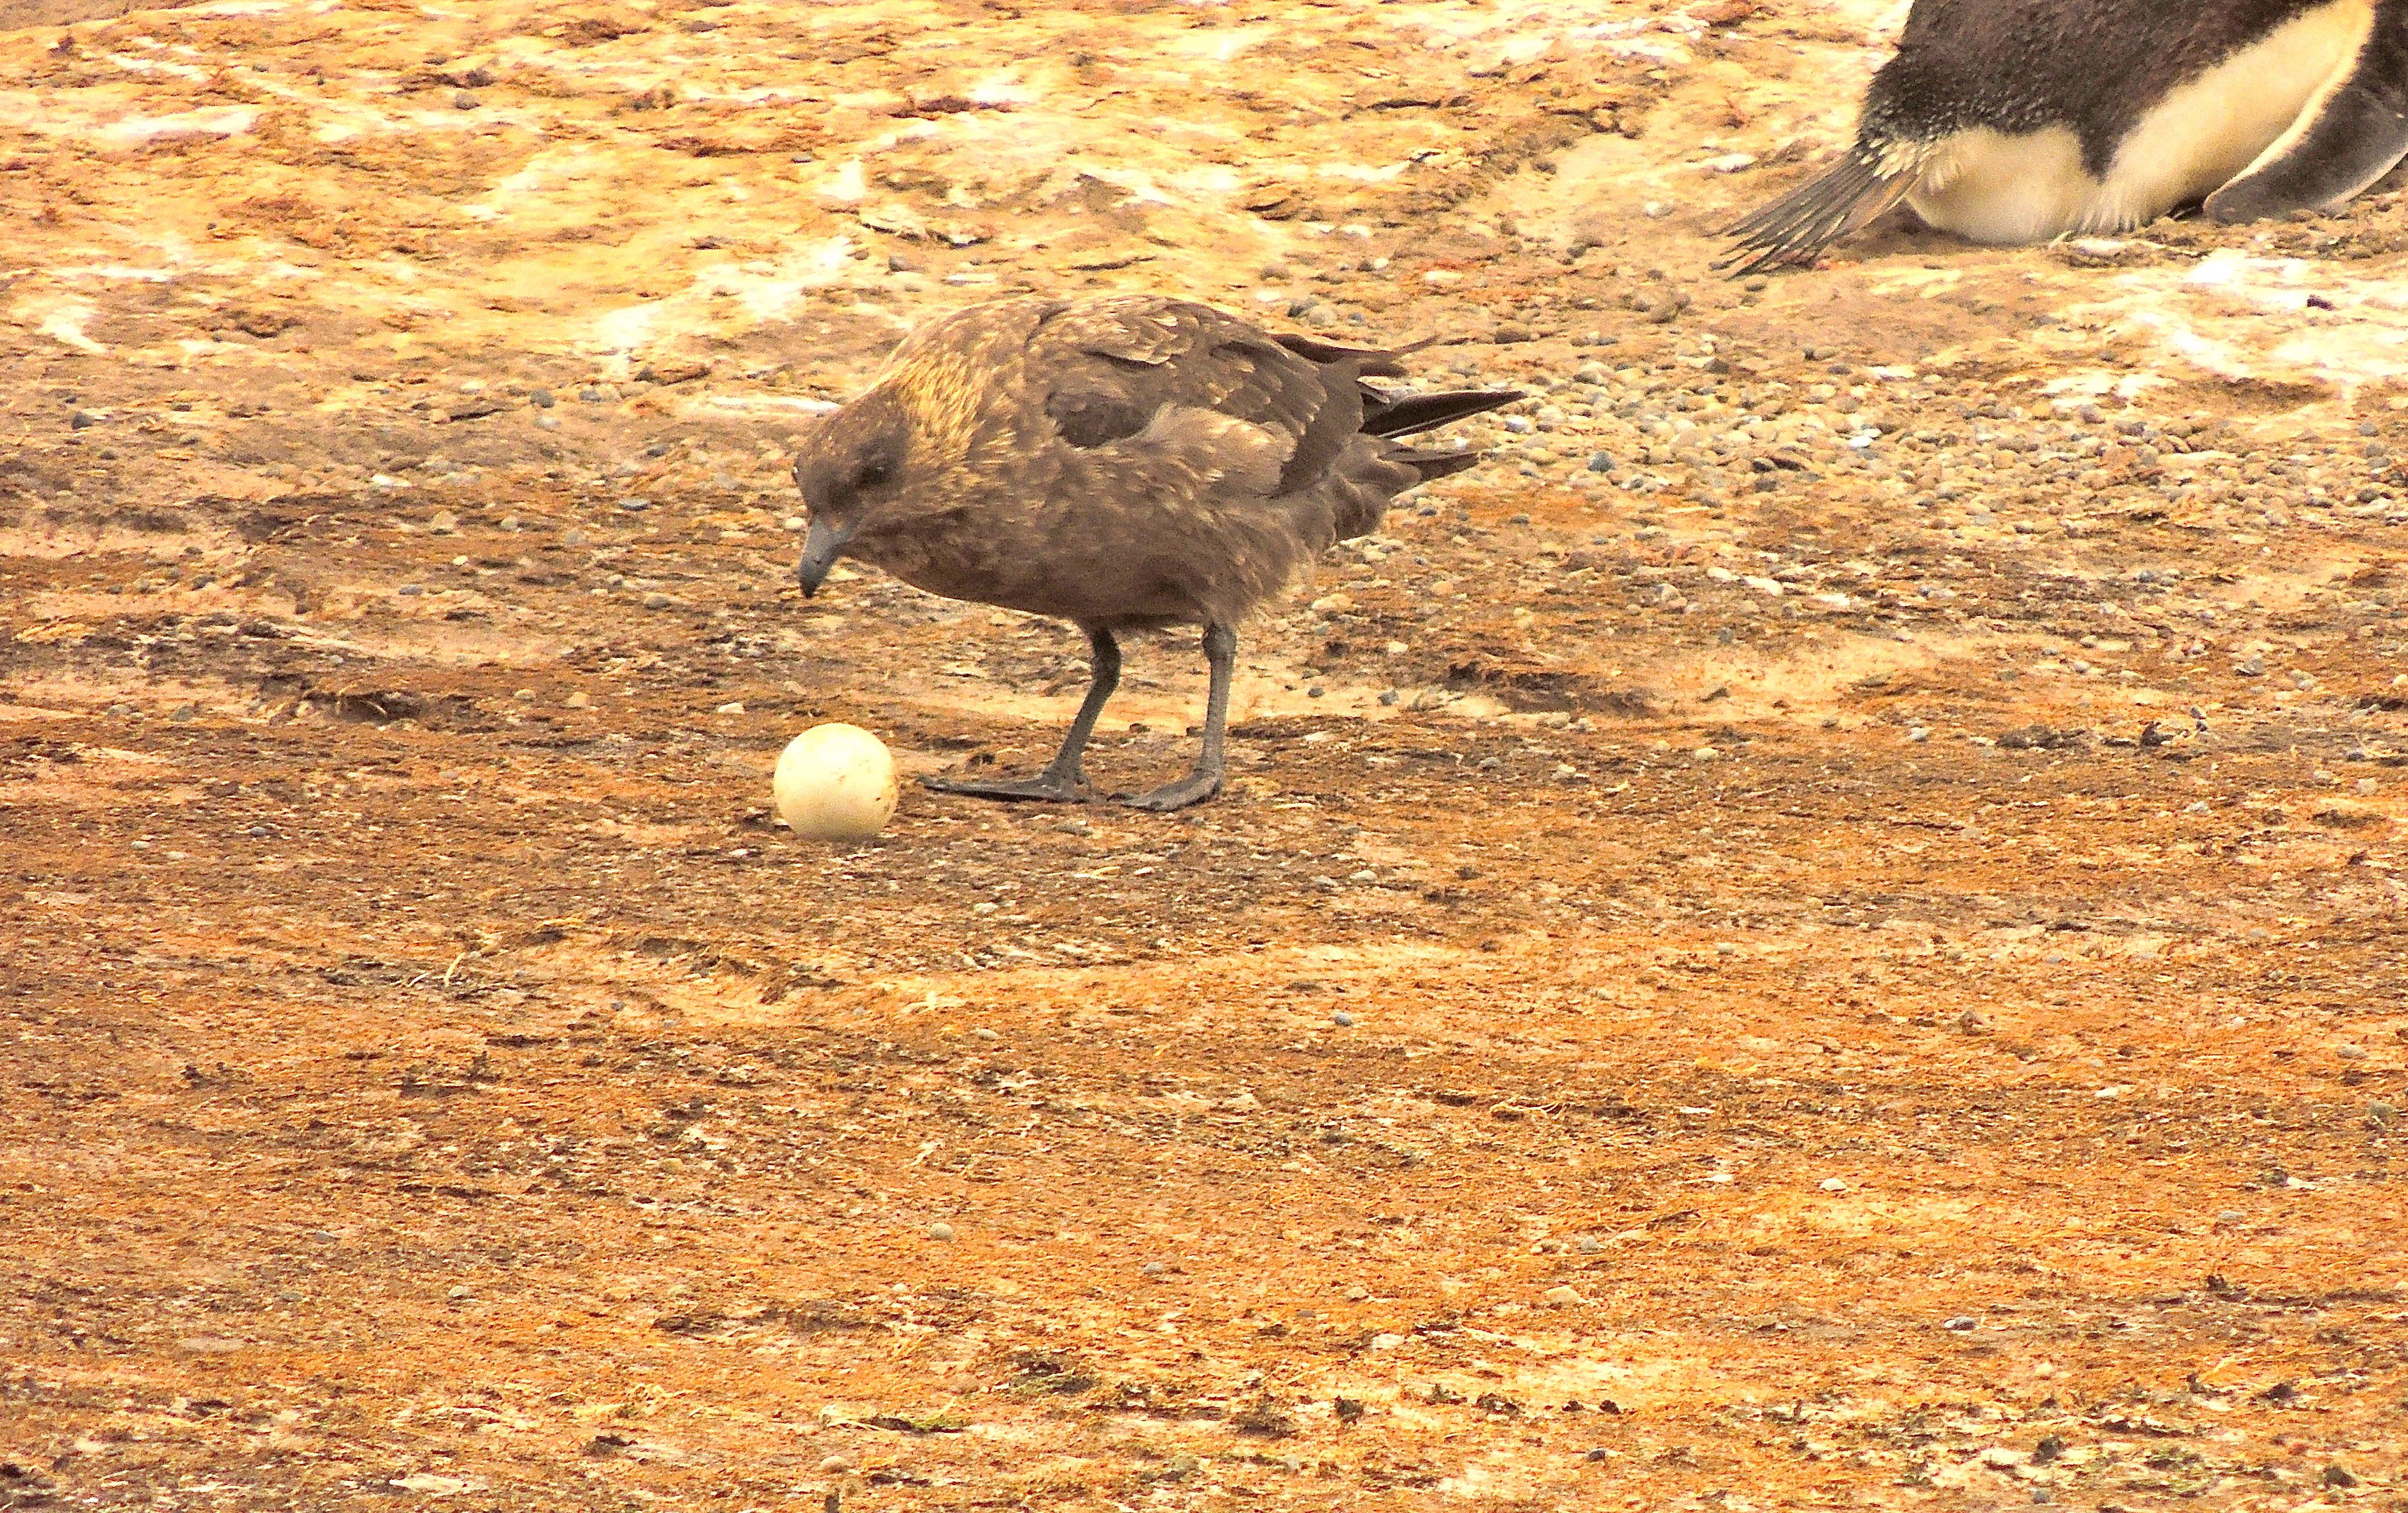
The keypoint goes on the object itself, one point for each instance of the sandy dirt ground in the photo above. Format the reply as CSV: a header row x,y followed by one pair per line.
x,y
1825,931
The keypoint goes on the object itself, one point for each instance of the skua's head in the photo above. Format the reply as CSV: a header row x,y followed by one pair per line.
x,y
850,464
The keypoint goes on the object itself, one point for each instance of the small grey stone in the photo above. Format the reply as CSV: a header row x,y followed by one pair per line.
x,y
1961,1323
1152,1268
940,1231
1600,463
635,503
1341,1019
463,100
656,600
85,419
410,590
573,538
542,399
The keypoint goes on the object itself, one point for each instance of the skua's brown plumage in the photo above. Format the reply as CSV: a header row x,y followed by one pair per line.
x,y
1125,462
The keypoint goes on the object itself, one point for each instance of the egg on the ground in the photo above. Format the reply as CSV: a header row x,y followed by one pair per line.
x,y
835,783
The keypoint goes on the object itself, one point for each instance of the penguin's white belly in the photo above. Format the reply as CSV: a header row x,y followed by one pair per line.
x,y
1990,187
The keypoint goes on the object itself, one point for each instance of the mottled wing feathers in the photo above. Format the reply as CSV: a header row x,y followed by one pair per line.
x,y
1114,366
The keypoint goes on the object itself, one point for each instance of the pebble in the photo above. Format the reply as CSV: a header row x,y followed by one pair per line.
x,y
85,419
1961,1323
1561,1297
656,600
573,538
525,695
940,1231
1832,1184
731,706
579,699
638,503
1152,1268
463,100
1341,1019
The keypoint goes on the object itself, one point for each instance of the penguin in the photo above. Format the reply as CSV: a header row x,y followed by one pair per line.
x,y
2010,122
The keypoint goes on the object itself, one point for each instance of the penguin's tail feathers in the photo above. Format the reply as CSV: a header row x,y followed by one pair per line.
x,y
1841,200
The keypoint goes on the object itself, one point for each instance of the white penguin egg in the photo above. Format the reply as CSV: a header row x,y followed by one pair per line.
x,y
835,783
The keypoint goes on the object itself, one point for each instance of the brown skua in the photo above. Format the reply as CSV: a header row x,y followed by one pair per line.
x,y
1129,462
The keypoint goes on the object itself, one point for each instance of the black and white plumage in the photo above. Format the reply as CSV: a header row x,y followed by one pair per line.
x,y
1123,462
2010,122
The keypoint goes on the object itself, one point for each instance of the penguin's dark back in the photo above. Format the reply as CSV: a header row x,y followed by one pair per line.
x,y
2096,66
